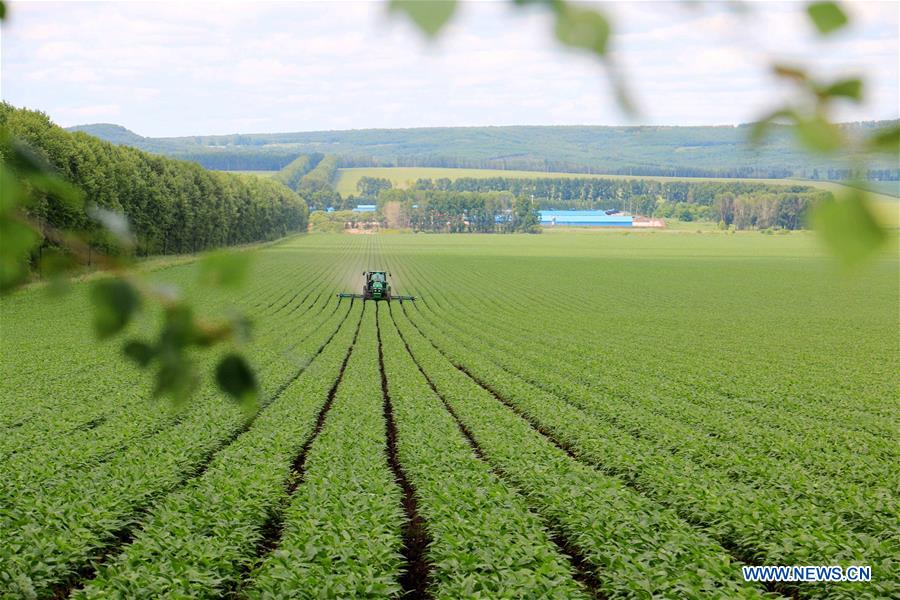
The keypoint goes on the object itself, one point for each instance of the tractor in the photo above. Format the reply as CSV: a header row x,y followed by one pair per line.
x,y
376,287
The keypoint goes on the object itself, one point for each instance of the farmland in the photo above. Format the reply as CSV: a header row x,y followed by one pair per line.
x,y
884,200
568,415
403,177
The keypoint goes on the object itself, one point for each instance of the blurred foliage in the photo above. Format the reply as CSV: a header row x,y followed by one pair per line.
x,y
826,16
848,228
24,177
115,303
429,16
116,299
223,268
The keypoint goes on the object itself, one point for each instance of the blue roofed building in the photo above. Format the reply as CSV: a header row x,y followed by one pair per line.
x,y
584,218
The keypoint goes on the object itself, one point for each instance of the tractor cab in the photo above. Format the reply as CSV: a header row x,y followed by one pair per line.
x,y
376,287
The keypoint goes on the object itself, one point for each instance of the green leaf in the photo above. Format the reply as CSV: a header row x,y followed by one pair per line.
x,y
826,16
429,15
886,139
848,227
207,335
818,134
760,129
2,9
17,239
237,379
140,352
11,193
225,269
846,88
179,329
582,28
176,378
115,303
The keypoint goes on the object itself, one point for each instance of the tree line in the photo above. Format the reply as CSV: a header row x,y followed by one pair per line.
x,y
311,175
525,163
172,206
461,212
237,159
291,174
746,204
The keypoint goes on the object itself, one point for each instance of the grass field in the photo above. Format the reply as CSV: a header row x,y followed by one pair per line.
x,y
888,206
890,188
567,415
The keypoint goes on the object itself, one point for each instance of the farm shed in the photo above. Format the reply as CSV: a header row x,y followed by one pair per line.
x,y
584,218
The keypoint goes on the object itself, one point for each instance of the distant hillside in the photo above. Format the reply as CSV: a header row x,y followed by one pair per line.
x,y
112,133
645,150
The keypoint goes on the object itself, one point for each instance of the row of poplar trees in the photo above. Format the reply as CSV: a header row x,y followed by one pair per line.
x,y
172,206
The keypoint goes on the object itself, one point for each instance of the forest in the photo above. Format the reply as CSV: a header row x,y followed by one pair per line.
x,y
695,151
172,206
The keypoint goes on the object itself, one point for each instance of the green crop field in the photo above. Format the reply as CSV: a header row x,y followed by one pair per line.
x,y
890,188
404,177
567,415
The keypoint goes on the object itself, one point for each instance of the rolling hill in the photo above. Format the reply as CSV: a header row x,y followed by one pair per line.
x,y
643,150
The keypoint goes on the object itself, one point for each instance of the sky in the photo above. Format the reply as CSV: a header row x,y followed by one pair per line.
x,y
192,68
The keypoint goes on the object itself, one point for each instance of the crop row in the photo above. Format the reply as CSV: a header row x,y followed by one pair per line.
x,y
614,332
342,529
48,537
131,421
635,547
762,522
735,452
702,432
200,540
692,372
113,408
124,422
485,541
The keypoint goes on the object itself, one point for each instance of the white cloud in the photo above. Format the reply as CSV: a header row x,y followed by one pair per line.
x,y
96,111
191,67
